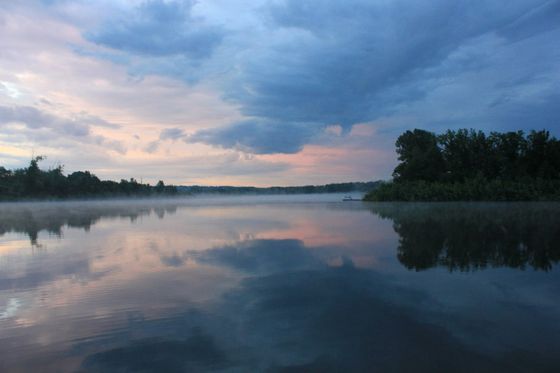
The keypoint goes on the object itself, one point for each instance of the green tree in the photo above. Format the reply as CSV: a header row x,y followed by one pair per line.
x,y
508,151
466,154
541,158
160,187
56,184
83,183
34,182
420,157
469,165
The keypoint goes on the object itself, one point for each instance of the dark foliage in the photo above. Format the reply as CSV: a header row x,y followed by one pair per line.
x,y
420,155
305,189
34,183
470,165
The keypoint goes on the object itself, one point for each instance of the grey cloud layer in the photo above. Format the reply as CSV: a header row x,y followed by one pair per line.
x,y
44,126
159,28
357,62
34,119
258,136
488,65
171,134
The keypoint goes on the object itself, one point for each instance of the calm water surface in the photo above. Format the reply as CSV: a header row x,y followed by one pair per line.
x,y
279,284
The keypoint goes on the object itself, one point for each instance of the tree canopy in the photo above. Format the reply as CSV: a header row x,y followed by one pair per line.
x,y
472,165
32,182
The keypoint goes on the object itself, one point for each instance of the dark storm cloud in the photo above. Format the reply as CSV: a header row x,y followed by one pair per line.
x,y
159,28
437,64
350,63
258,136
540,114
543,17
360,60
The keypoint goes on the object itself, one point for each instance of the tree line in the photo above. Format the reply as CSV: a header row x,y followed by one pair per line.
x,y
32,182
304,189
471,165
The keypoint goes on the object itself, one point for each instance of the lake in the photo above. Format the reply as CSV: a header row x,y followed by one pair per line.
x,y
279,284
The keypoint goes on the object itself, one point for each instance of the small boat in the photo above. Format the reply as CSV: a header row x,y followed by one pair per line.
x,y
347,198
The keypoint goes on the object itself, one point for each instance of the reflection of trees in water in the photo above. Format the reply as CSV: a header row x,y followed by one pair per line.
x,y
33,218
475,236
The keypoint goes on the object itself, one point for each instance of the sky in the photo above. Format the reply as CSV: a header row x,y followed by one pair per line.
x,y
265,92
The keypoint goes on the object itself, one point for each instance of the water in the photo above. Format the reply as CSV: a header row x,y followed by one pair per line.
x,y
279,284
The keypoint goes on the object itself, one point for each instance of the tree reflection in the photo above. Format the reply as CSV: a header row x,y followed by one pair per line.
x,y
34,218
475,236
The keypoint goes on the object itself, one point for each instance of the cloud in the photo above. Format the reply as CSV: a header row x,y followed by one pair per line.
x,y
158,28
114,145
165,134
34,118
272,75
88,119
258,136
42,126
389,57
10,90
152,147
300,74
171,134
259,256
196,353
172,260
544,17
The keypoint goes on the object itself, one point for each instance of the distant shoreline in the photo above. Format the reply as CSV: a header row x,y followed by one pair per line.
x,y
34,184
179,195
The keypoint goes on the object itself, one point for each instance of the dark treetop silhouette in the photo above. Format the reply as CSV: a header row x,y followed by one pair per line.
x,y
470,165
32,182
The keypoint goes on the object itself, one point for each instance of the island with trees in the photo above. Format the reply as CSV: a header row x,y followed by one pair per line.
x,y
469,165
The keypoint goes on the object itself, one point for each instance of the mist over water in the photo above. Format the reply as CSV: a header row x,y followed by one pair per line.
x,y
278,283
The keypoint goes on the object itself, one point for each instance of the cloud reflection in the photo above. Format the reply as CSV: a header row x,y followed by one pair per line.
x,y
254,287
328,320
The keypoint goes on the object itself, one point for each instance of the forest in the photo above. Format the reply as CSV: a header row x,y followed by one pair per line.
x,y
469,165
33,183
